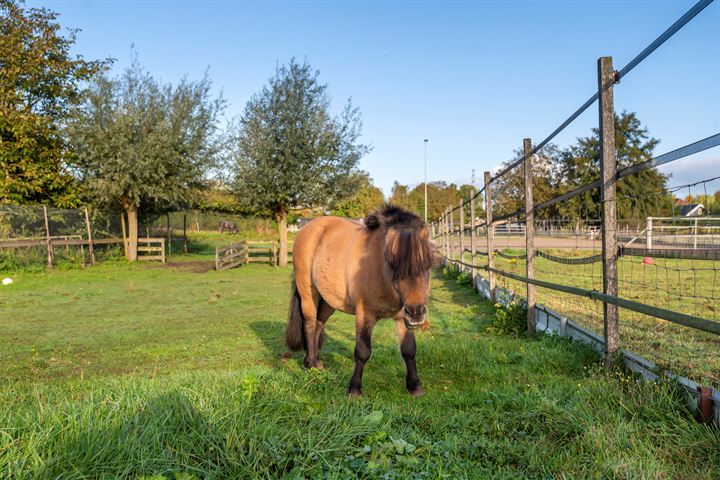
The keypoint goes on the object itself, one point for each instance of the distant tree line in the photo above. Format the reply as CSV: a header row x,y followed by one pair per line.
x,y
557,171
72,134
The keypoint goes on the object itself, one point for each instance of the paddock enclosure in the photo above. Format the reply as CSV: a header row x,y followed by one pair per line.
x,y
170,369
557,347
638,280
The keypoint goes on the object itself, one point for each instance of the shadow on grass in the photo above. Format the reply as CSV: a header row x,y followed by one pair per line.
x,y
273,339
168,430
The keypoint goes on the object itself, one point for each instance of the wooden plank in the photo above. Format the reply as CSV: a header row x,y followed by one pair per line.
x,y
529,235
150,249
234,246
231,256
608,171
228,266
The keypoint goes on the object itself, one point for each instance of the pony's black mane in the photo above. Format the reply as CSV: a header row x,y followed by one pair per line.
x,y
393,216
408,251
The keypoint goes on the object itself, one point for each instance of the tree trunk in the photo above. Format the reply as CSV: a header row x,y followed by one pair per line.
x,y
282,228
131,210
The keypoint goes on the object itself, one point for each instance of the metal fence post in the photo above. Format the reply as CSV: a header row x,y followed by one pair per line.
x,y
472,233
608,169
529,236
462,231
489,228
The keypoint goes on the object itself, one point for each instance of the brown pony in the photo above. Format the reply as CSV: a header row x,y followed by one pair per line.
x,y
377,270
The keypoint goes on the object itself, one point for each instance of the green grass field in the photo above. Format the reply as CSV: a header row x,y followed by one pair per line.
x,y
687,286
173,372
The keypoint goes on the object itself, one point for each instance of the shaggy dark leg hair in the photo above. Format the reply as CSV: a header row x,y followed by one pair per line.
x,y
408,349
363,349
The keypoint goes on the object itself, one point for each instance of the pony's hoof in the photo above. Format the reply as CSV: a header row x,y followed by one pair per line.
x,y
317,364
419,391
354,394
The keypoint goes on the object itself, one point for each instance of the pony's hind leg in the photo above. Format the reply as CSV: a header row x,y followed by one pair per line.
x,y
312,328
323,313
363,348
407,349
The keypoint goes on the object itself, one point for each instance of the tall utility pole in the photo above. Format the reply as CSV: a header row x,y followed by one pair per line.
x,y
426,140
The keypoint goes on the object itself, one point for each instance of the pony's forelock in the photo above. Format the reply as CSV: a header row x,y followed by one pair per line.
x,y
407,248
408,252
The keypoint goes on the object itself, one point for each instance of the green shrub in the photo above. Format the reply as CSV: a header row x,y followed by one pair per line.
x,y
464,279
510,320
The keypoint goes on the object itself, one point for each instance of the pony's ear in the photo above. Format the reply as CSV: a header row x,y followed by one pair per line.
x,y
372,221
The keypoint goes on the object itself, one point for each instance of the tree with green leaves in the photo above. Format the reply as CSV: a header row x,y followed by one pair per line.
x,y
367,198
639,195
440,196
291,151
39,82
508,191
142,144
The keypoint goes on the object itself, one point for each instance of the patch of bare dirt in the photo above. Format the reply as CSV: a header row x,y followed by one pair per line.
x,y
193,266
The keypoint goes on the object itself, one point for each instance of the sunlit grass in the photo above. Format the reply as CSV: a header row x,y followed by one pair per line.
x,y
129,371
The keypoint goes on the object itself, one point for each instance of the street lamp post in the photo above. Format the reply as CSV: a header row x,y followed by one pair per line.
x,y
426,142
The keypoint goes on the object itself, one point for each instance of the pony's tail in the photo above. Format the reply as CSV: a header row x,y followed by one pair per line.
x,y
295,334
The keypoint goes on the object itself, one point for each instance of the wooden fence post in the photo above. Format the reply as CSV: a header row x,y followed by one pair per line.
x,y
90,240
490,230
452,232
529,236
462,231
472,233
124,235
168,231
608,169
48,240
648,233
185,242
446,235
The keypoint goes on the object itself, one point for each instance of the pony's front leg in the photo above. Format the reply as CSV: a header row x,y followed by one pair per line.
x,y
407,349
364,324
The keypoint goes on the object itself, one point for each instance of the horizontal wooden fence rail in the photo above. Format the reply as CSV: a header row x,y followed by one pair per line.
x,y
68,240
151,249
248,251
231,256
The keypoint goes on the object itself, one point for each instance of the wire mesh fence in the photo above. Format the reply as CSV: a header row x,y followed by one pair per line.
x,y
635,265
35,236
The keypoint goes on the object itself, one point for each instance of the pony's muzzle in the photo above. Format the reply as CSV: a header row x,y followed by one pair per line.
x,y
414,315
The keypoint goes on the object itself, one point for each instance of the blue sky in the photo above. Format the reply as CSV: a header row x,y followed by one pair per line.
x,y
472,77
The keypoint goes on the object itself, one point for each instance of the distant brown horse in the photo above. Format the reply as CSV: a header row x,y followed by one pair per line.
x,y
377,270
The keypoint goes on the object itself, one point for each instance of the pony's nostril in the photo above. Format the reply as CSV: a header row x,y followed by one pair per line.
x,y
415,311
